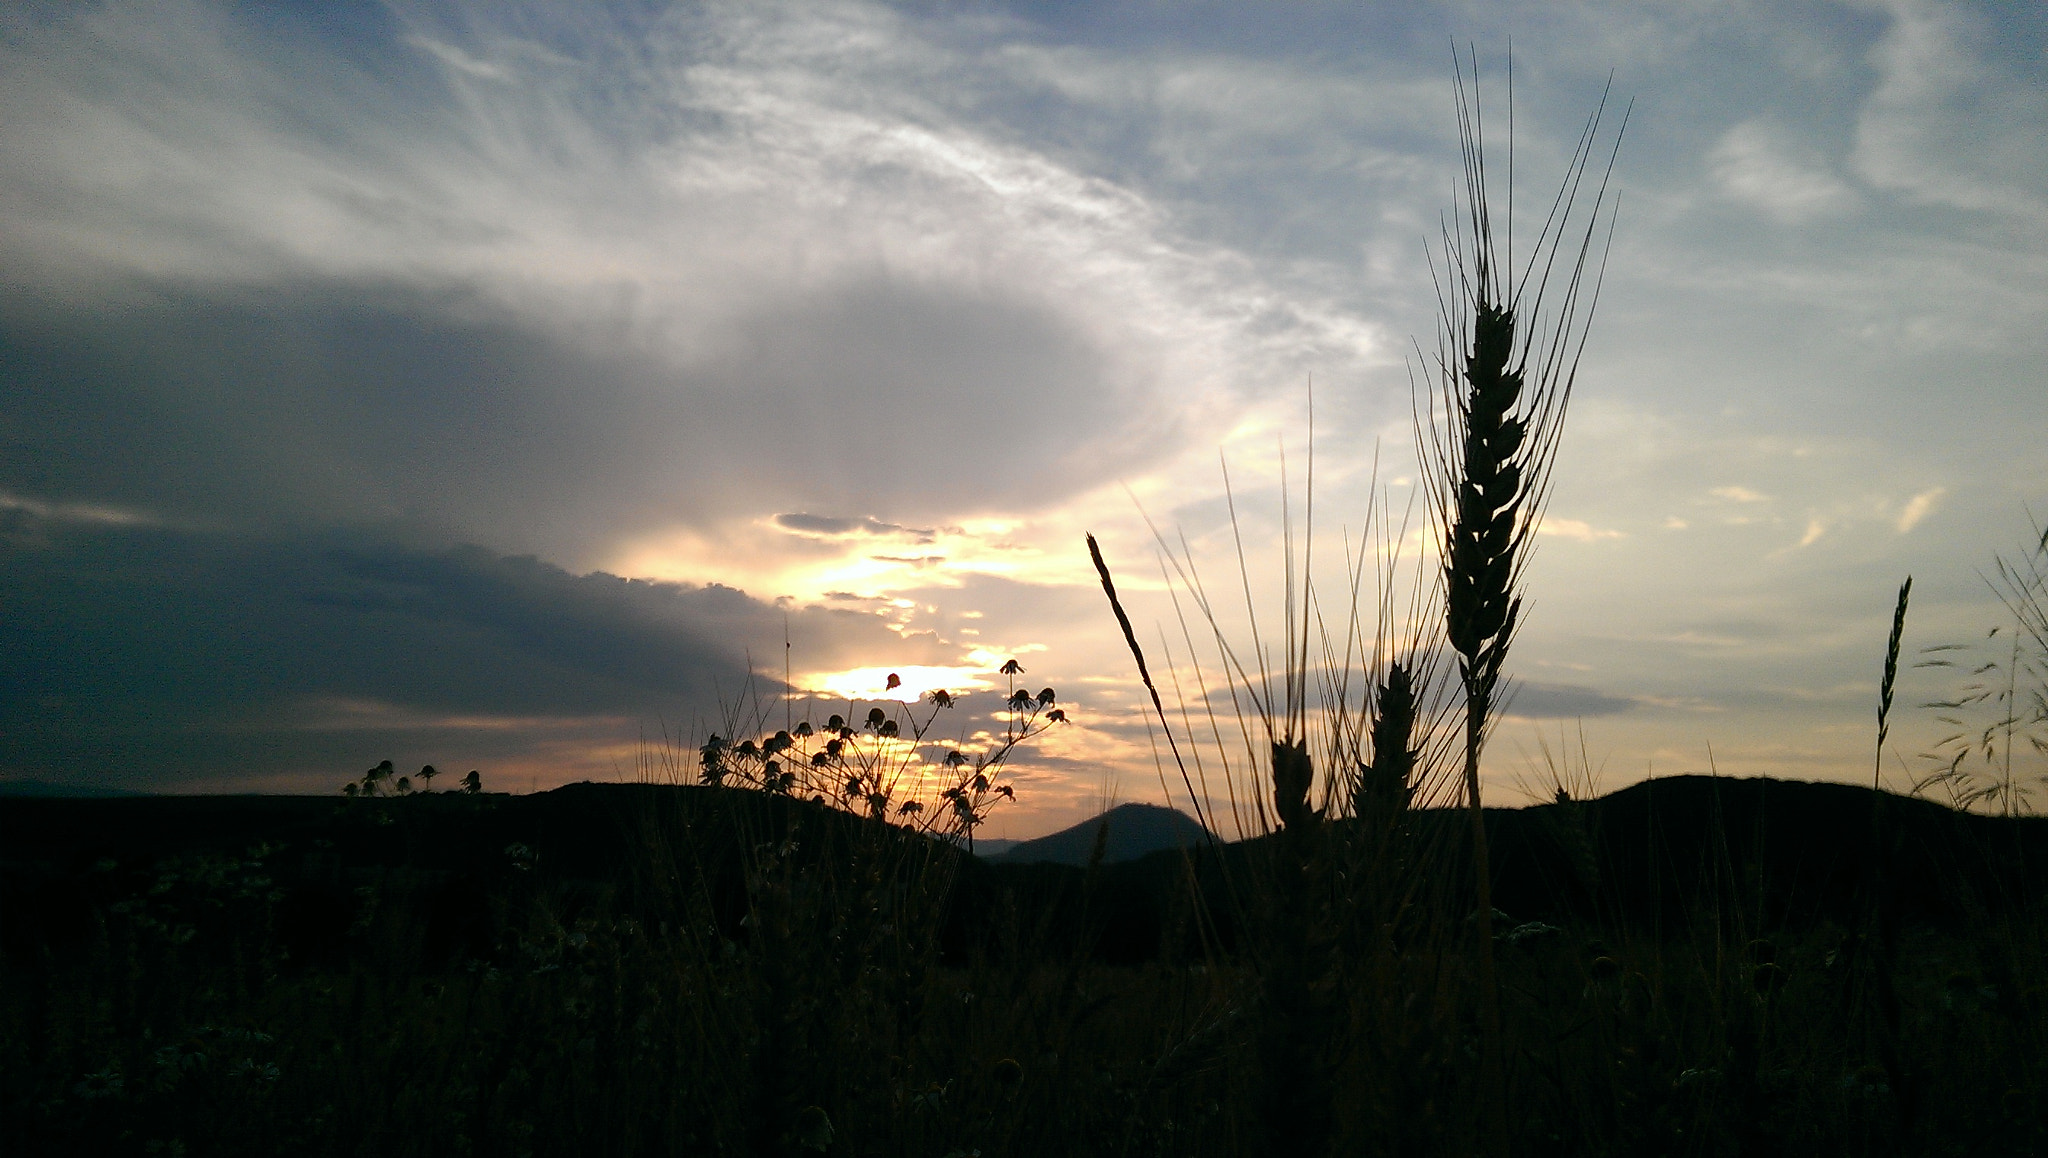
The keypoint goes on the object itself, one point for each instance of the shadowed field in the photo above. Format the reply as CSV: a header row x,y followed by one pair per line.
x,y
1685,968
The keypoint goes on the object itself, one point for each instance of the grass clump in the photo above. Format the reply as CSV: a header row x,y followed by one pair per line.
x,y
1996,721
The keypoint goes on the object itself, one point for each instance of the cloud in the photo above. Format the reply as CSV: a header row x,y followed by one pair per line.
x,y
142,654
1576,529
24,510
1739,495
628,288
1757,164
831,526
1542,701
1951,119
715,265
459,60
1918,508
342,401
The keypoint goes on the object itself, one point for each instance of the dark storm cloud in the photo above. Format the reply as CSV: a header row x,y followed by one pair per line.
x,y
298,403
145,655
346,401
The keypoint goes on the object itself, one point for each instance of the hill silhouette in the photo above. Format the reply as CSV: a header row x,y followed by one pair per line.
x,y
1782,855
1135,830
46,789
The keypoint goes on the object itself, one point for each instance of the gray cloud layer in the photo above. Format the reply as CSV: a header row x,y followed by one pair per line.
x,y
351,401
146,655
1542,701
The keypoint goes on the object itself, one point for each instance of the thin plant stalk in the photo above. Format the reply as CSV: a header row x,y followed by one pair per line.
x,y
1882,905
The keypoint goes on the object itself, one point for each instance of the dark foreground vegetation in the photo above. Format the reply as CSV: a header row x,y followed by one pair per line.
x,y
1688,966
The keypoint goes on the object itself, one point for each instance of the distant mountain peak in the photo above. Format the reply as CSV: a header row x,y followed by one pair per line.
x,y
1135,830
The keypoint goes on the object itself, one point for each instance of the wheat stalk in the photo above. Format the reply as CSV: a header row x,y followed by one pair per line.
x,y
1891,675
1505,368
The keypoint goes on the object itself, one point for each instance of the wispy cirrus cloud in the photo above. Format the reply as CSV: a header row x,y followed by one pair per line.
x,y
1941,126
1754,163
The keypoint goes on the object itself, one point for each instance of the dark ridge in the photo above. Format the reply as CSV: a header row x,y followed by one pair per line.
x,y
1758,856
453,858
1767,854
1657,858
44,789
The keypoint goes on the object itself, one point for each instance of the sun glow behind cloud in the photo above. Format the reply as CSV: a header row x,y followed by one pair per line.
x,y
872,683
765,554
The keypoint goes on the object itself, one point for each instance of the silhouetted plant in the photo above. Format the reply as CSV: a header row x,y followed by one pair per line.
x,y
880,767
1996,722
383,780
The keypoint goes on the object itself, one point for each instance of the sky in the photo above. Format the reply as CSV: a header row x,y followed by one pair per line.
x,y
533,387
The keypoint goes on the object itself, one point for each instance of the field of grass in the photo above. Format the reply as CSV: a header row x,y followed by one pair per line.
x,y
1684,968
